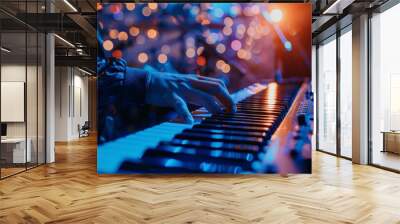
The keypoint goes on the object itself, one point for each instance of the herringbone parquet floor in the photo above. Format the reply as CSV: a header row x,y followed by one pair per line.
x,y
70,191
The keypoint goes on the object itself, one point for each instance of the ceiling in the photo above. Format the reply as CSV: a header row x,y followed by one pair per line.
x,y
75,21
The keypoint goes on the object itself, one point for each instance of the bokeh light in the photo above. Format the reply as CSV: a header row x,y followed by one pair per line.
x,y
227,31
130,6
276,15
288,46
200,50
241,29
226,68
113,33
221,48
108,45
201,61
143,57
152,33
146,11
153,6
236,45
220,64
228,21
162,58
190,52
117,54
122,36
134,31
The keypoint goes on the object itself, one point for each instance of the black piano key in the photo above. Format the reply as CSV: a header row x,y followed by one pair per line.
x,y
199,158
220,138
247,116
262,106
259,112
227,132
216,145
238,118
190,166
232,127
237,123
209,152
241,120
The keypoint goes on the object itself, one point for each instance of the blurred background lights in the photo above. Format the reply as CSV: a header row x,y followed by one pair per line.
x,y
152,33
241,29
212,38
241,54
117,54
288,46
244,54
162,58
108,45
236,45
165,49
227,31
190,52
143,57
220,64
146,11
130,6
200,50
255,9
201,61
235,10
228,21
221,48
195,10
122,36
276,15
235,36
226,68
134,31
218,12
153,6
190,41
113,33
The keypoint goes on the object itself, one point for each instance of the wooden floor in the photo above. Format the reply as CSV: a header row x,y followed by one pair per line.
x,y
70,191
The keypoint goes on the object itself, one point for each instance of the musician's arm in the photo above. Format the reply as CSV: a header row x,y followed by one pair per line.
x,y
137,86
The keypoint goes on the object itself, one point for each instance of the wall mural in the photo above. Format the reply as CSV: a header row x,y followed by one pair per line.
x,y
204,88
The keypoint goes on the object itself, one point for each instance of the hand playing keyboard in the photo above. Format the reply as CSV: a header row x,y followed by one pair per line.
x,y
174,90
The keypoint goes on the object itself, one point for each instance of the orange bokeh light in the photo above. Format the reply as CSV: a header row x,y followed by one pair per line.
x,y
108,45
122,36
201,61
117,54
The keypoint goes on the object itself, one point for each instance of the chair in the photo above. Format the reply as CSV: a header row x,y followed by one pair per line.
x,y
84,129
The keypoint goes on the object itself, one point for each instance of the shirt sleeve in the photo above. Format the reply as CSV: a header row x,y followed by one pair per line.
x,y
121,90
119,80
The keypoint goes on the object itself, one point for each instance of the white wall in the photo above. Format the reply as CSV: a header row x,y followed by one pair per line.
x,y
71,94
33,127
16,72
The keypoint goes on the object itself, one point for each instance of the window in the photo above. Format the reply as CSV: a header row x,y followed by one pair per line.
x,y
346,93
385,89
22,77
327,96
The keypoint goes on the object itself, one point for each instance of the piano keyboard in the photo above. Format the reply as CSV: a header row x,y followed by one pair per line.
x,y
240,142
